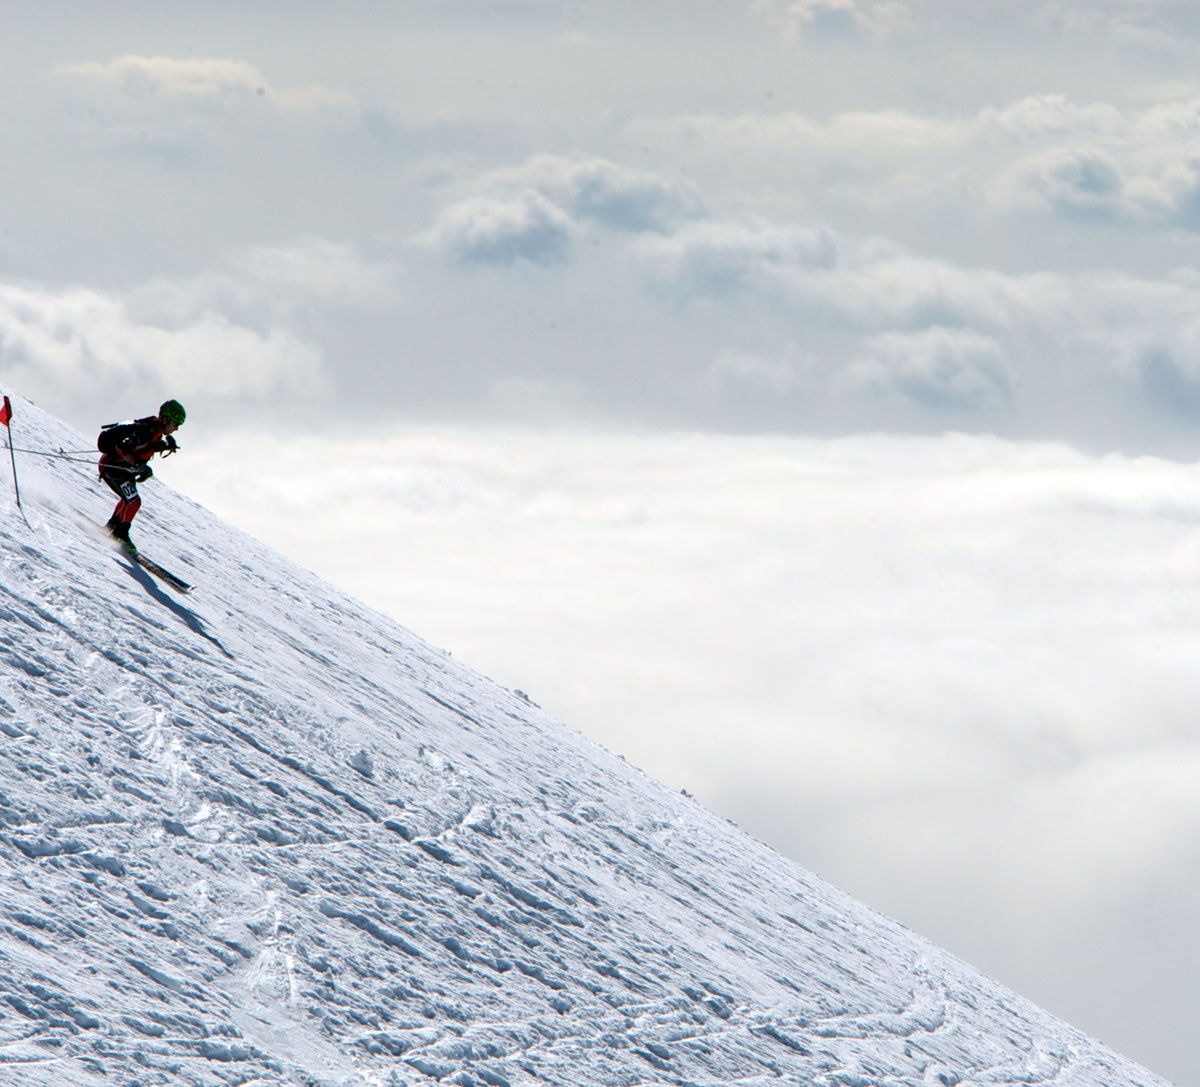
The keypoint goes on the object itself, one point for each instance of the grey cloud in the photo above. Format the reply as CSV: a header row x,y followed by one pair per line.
x,y
188,111
1156,26
1148,23
1089,183
288,285
1163,362
614,196
504,230
821,275
198,80
535,211
1053,116
721,257
1159,25
936,367
804,328
323,271
783,373
873,134
63,344
833,18
936,335
1173,196
1086,161
1083,182
1171,381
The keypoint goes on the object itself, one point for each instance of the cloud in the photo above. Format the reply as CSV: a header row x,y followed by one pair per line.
x,y
1155,187
198,80
1157,25
1084,182
833,18
1164,362
535,212
871,135
60,343
936,367
1046,116
891,131
323,270
780,374
718,257
276,282
815,271
613,196
1145,23
1047,119
1087,162
891,326
503,230
802,326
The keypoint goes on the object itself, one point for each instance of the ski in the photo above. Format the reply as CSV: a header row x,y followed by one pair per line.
x,y
152,567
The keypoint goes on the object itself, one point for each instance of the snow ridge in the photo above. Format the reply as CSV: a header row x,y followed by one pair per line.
x,y
264,836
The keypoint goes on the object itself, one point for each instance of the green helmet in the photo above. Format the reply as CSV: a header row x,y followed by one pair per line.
x,y
172,413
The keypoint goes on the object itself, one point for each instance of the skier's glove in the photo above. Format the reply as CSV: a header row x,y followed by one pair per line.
x,y
167,446
143,473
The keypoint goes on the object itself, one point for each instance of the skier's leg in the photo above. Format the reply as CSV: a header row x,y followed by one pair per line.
x,y
129,501
127,508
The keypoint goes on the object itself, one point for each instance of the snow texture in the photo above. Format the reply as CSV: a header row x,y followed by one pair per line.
x,y
263,835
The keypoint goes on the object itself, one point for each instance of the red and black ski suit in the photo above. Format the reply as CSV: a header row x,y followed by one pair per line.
x,y
134,444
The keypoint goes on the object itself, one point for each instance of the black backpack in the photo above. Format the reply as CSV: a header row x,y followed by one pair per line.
x,y
112,434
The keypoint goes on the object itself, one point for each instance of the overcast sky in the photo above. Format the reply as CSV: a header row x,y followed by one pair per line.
x,y
800,397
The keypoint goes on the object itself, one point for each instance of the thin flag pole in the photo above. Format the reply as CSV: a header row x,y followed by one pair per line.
x,y
6,418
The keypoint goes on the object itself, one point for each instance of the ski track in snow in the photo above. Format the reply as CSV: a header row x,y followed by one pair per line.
x,y
264,836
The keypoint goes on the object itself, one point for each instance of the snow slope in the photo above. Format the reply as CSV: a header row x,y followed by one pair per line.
x,y
263,835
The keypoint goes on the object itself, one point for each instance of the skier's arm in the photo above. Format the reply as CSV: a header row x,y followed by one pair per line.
x,y
128,450
138,447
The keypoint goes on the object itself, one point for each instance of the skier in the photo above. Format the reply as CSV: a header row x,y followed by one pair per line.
x,y
126,448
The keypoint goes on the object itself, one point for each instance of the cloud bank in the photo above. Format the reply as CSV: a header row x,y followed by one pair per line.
x,y
1044,152
83,346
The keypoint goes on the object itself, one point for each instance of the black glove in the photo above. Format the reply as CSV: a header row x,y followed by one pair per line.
x,y
143,473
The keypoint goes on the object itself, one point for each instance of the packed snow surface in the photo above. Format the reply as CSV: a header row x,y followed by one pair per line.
x,y
262,835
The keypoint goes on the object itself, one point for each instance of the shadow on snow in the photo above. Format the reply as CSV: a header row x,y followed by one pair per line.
x,y
193,622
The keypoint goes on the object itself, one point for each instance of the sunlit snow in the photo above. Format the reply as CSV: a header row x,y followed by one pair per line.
x,y
264,836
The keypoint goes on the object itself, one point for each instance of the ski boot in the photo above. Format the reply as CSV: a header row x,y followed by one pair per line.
x,y
120,531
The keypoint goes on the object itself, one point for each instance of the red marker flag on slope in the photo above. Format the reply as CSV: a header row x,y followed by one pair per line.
x,y
5,416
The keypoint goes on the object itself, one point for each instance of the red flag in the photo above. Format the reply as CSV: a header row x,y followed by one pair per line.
x,y
5,412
